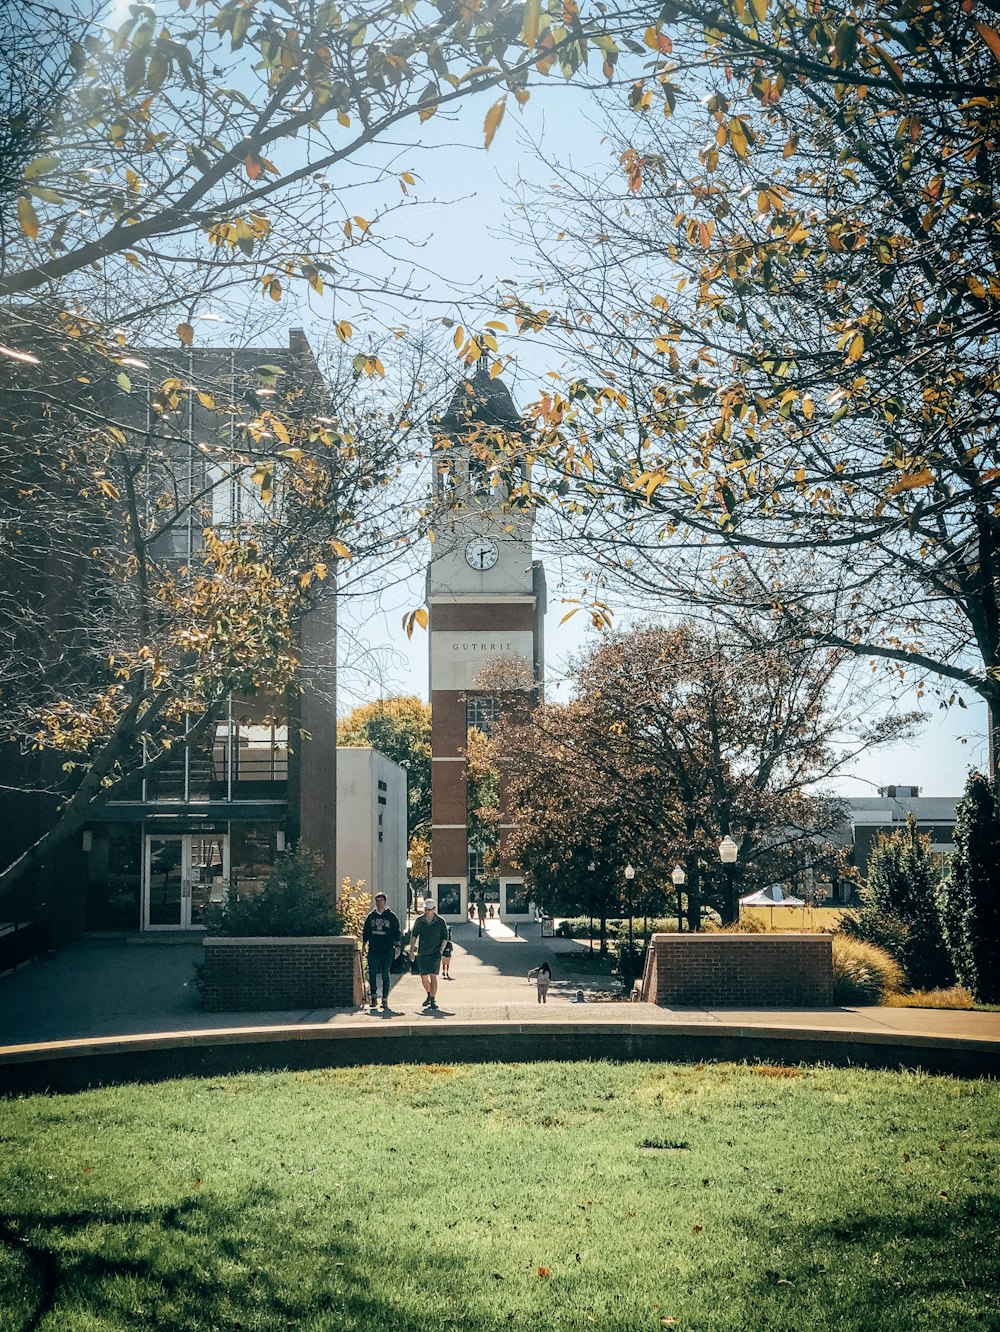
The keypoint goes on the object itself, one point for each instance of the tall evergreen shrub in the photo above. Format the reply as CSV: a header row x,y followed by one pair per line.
x,y
900,908
970,895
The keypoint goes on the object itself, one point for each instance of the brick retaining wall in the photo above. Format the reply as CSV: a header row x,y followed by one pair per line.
x,y
259,975
739,970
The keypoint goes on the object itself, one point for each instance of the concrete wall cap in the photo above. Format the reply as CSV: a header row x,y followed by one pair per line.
x,y
714,939
223,941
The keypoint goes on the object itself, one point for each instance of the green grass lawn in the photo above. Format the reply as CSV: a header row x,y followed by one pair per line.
x,y
491,1196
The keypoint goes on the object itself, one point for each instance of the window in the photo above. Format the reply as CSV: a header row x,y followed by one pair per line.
x,y
481,712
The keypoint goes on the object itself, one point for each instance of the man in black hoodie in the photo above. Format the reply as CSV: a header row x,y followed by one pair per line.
x,y
382,936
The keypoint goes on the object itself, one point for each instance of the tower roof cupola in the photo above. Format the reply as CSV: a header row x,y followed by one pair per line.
x,y
481,400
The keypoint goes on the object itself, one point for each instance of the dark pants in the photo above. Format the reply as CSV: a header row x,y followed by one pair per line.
x,y
378,965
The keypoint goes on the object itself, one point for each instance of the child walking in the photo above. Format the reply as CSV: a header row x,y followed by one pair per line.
x,y
542,975
446,953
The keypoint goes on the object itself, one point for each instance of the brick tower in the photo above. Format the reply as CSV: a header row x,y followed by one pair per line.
x,y
486,598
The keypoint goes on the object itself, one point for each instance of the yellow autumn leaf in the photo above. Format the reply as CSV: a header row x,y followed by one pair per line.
x,y
738,138
529,27
759,8
41,166
27,217
493,118
185,332
206,400
340,550
419,616
991,37
857,348
912,481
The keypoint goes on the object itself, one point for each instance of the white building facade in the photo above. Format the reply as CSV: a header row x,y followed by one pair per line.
x,y
371,824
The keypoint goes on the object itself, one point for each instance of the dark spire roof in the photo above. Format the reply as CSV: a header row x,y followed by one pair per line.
x,y
480,399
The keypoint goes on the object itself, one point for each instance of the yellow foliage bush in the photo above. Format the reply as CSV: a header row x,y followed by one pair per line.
x,y
863,974
354,904
956,996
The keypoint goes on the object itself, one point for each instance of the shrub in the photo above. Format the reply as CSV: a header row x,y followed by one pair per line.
x,y
862,973
291,904
970,898
354,904
745,925
956,996
899,911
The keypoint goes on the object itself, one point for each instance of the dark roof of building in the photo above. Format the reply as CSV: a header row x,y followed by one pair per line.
x,y
480,399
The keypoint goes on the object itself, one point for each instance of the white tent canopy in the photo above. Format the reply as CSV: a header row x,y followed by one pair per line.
x,y
773,896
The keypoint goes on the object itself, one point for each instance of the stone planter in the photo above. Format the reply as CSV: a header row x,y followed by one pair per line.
x,y
259,975
739,970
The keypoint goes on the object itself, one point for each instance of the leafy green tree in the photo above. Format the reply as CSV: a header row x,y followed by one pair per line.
x,y
970,895
675,738
900,908
400,728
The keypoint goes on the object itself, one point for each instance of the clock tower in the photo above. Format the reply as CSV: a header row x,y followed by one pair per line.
x,y
486,600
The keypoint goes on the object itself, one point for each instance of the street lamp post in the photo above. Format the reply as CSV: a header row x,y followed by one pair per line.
x,y
410,904
591,870
629,881
728,852
427,878
678,878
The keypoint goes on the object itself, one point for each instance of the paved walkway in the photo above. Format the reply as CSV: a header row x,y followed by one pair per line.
x,y
145,984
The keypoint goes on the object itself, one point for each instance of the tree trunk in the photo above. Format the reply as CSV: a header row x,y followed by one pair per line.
x,y
730,900
604,935
693,896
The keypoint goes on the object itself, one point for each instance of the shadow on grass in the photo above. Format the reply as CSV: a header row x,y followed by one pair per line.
x,y
261,1261
888,1271
205,1264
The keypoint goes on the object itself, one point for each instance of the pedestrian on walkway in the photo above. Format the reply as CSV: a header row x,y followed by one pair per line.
x,y
446,953
427,942
481,909
542,976
381,936
491,911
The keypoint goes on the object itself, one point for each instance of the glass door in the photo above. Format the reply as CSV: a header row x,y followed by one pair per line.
x,y
183,874
208,875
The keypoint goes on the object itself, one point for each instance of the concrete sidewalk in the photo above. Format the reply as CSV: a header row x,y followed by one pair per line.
x,y
145,984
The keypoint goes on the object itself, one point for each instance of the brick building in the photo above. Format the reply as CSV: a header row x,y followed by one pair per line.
x,y
215,817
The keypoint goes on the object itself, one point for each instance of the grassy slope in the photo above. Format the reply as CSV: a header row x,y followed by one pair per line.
x,y
432,1197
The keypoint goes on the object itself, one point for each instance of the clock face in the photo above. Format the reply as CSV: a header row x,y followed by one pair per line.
x,y
482,553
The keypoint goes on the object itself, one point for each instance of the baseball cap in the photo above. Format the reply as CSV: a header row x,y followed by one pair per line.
x,y
380,897
428,904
